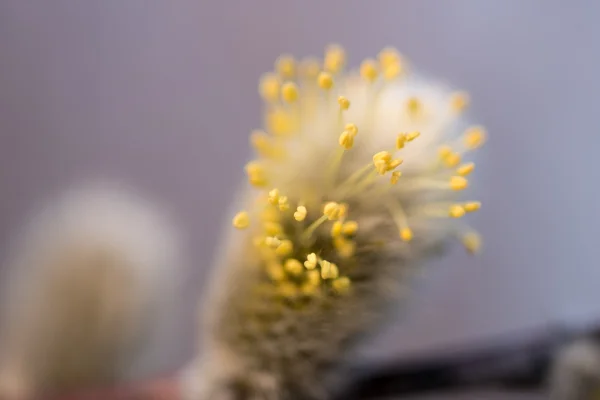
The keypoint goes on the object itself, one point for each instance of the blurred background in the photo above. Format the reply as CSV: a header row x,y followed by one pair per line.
x,y
158,93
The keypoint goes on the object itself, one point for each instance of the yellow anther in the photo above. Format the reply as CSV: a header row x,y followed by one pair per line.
x,y
452,160
413,106
268,87
289,92
270,214
458,183
351,128
388,56
336,229
279,122
272,242
263,145
293,267
275,272
368,70
459,101
272,228
308,289
346,140
256,174
325,81
394,164
344,103
472,242
329,270
286,66
406,234
456,211
474,137
309,68
274,196
350,228
300,213
401,141
283,203
412,136
444,151
343,210
331,210
285,248
313,277
345,248
395,177
335,58
341,284
288,290
311,261
384,156
465,169
241,220
392,71
472,206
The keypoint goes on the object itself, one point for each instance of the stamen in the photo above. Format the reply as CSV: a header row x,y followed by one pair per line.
x,y
283,203
241,220
289,92
293,267
400,219
350,228
268,87
325,81
368,70
341,285
272,228
285,248
472,242
300,213
335,59
286,66
311,261
465,169
456,211
256,174
274,197
474,137
309,68
459,101
472,206
275,271
328,270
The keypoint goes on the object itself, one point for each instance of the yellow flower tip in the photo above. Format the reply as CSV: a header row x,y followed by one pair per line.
x,y
286,66
325,80
350,228
392,71
241,220
329,270
311,261
459,101
352,129
456,211
345,248
472,242
452,160
382,156
444,151
401,141
465,169
283,203
279,122
388,56
285,248
346,140
272,228
261,142
331,210
272,241
413,106
395,177
289,92
406,234
275,272
293,267
300,213
368,70
335,58
412,136
394,164
309,68
344,103
343,210
472,206
268,87
474,137
274,196
383,162
458,183
336,229
341,285
313,277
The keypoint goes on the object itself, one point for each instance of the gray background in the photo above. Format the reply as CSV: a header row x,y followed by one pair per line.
x,y
160,93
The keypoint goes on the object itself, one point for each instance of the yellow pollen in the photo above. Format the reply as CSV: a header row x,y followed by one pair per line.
x,y
336,229
413,106
345,248
459,101
401,141
472,206
241,220
395,177
412,136
272,241
256,174
293,267
325,81
331,210
388,56
283,203
263,146
382,156
313,277
474,137
452,160
286,66
344,103
279,122
458,183
329,270
472,242
268,87
368,70
352,129
346,140
406,234
300,213
465,169
285,248
289,92
444,151
272,228
309,68
456,211
274,196
343,210
275,272
311,261
341,284
335,59
394,163
350,228
270,214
